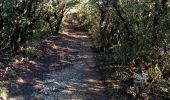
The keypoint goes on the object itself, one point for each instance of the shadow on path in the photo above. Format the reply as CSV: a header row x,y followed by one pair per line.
x,y
63,66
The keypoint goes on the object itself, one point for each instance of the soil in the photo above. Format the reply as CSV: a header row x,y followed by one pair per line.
x,y
63,67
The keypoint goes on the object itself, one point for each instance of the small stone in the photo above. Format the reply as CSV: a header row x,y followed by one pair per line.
x,y
49,81
46,93
55,90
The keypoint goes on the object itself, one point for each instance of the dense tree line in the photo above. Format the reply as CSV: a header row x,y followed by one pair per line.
x,y
131,30
133,33
20,20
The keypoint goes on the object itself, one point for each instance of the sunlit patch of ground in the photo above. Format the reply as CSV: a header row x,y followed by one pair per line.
x,y
61,64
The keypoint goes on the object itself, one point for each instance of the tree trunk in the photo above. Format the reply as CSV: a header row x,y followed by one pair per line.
x,y
129,35
164,7
49,22
58,25
59,19
14,42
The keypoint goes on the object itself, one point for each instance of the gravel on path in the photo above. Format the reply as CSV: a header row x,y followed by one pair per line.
x,y
79,80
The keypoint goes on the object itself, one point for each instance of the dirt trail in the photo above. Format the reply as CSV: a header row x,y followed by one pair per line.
x,y
66,71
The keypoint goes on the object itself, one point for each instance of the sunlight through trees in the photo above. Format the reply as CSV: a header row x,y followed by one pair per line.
x,y
134,34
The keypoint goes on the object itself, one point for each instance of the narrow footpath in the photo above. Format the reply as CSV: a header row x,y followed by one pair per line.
x,y
65,71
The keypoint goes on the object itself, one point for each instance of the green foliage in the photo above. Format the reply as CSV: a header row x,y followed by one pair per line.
x,y
86,15
106,58
18,19
130,30
132,33
22,21
55,11
26,53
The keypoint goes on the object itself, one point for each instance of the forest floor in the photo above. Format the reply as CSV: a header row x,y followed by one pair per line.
x,y
63,68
